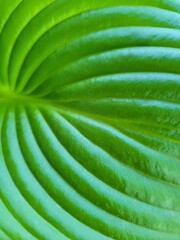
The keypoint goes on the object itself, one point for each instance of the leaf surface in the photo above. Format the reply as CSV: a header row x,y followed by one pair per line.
x,y
90,120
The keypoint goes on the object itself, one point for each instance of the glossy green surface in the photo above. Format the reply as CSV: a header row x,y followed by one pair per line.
x,y
90,119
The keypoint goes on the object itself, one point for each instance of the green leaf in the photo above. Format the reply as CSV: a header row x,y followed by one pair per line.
x,y
90,119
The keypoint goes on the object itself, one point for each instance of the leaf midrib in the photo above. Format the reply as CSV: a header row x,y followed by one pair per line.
x,y
7,95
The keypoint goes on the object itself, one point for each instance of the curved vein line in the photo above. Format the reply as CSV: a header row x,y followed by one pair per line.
x,y
15,220
84,197
156,135
59,107
26,227
103,180
172,158
98,77
134,77
81,37
79,193
44,190
6,233
43,34
51,166
99,54
147,101
36,234
3,29
133,169
53,169
16,217
19,34
148,134
10,15
105,184
97,9
24,194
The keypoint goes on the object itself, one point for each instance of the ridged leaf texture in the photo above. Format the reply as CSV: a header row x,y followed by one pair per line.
x,y
89,119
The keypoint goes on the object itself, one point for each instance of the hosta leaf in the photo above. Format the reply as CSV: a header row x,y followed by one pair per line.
x,y
90,119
